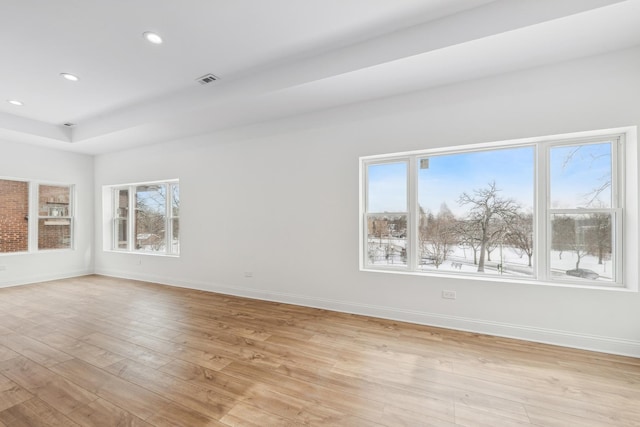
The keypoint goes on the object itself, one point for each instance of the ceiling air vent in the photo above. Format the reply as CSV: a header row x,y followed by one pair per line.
x,y
206,79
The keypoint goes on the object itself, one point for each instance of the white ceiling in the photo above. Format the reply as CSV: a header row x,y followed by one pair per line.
x,y
275,58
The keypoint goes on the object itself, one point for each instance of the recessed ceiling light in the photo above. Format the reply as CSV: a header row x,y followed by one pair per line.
x,y
15,102
70,77
152,37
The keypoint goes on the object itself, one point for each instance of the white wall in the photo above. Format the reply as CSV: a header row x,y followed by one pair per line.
x,y
281,200
40,164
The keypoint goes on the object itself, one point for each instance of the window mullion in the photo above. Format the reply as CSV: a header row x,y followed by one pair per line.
x,y
115,218
542,233
168,218
131,223
364,237
412,216
32,224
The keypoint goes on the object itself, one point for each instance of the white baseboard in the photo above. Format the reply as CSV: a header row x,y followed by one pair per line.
x,y
27,280
602,344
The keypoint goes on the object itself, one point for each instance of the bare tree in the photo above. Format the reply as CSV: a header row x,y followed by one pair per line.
x,y
568,234
436,234
469,235
487,210
496,236
598,239
520,234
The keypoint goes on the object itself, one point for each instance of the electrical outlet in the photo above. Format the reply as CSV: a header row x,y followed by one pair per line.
x,y
449,294
248,274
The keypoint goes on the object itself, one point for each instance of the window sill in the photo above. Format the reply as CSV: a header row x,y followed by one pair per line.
x,y
39,251
498,279
154,254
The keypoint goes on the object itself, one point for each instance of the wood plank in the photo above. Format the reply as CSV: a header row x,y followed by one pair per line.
x,y
220,382
212,360
101,413
189,395
501,408
174,415
543,416
34,413
474,417
127,349
90,353
366,399
244,415
34,350
137,400
51,388
11,393
6,353
14,323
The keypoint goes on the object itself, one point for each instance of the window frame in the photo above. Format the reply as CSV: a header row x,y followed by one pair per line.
x,y
169,218
618,144
70,215
33,201
624,207
30,230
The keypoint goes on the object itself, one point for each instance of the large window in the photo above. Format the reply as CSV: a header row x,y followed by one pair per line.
x,y
549,211
44,222
145,217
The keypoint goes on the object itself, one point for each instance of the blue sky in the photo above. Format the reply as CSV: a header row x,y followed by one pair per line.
x,y
512,169
448,176
388,187
573,181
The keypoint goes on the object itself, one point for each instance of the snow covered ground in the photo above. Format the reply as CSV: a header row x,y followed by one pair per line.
x,y
460,260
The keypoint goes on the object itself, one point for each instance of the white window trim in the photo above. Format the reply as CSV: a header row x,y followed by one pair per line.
x,y
626,178
109,199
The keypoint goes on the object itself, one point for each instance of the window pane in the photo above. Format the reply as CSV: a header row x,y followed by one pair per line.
x,y
121,216
54,210
387,187
175,238
122,203
54,233
175,200
122,230
475,212
581,246
14,216
387,239
53,201
150,217
581,176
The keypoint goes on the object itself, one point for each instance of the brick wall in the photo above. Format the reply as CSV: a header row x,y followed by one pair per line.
x,y
54,233
14,208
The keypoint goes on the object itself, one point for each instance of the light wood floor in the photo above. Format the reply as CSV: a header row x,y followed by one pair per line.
x,y
97,351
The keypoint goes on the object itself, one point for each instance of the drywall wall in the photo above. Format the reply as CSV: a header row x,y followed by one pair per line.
x,y
280,200
33,163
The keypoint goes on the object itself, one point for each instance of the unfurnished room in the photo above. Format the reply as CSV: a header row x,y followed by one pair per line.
x,y
305,212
